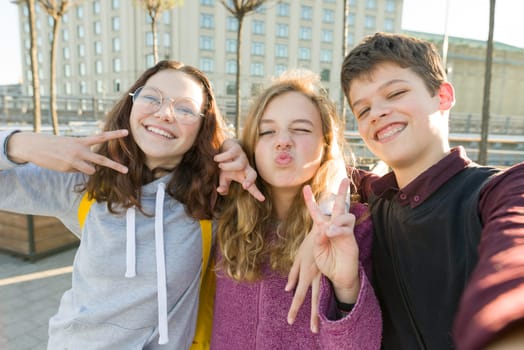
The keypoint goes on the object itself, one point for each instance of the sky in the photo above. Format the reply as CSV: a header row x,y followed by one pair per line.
x,y
466,18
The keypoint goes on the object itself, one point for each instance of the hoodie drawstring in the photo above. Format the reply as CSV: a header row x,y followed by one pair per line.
x,y
130,243
161,265
160,258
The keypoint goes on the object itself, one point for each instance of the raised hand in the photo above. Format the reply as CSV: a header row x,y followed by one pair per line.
x,y
63,153
335,249
303,274
234,166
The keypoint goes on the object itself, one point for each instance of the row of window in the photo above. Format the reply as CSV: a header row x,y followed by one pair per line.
x,y
306,12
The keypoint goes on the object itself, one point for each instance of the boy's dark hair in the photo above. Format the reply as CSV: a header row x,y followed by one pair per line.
x,y
420,56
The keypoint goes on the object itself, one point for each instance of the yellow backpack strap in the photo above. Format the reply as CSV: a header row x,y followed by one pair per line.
x,y
83,209
204,324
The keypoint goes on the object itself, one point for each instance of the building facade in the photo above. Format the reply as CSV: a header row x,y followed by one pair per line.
x,y
104,45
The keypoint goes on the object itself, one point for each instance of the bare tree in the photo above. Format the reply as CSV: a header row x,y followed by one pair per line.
x,y
345,49
55,9
483,146
154,8
37,114
240,9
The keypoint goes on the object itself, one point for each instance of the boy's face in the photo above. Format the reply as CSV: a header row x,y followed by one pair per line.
x,y
398,119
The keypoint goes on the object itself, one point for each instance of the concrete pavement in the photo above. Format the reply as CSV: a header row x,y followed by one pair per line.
x,y
29,296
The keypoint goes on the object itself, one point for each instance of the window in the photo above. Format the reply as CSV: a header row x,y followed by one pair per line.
x,y
325,74
206,43
98,47
231,45
389,24
115,4
327,36
83,87
350,39
167,40
81,50
67,70
98,67
371,4
282,30
279,69
65,35
283,10
351,19
206,21
80,32
116,85
116,65
207,65
82,69
326,56
116,44
391,6
150,60
281,50
304,53
67,88
207,2
369,22
149,39
96,7
231,88
166,17
115,23
97,27
232,24
99,86
66,53
329,16
258,27
257,69
304,33
231,67
257,48
80,12
306,12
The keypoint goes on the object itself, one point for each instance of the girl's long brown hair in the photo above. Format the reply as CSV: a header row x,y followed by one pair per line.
x,y
246,227
194,180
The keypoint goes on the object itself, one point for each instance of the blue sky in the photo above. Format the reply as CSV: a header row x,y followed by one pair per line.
x,y
467,18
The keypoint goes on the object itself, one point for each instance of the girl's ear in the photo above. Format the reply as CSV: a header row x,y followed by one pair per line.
x,y
446,93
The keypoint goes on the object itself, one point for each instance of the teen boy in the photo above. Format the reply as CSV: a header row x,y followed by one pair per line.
x,y
449,234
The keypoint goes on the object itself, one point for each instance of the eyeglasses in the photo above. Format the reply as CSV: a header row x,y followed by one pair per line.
x,y
150,100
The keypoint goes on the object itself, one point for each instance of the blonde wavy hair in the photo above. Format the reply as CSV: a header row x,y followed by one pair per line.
x,y
246,227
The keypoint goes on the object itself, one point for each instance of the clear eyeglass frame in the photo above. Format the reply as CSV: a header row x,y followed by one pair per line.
x,y
151,100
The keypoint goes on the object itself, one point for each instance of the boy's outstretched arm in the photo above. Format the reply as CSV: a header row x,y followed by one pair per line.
x,y
62,153
234,166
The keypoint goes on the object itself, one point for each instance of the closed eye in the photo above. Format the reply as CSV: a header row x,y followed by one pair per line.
x,y
362,113
397,93
266,132
301,130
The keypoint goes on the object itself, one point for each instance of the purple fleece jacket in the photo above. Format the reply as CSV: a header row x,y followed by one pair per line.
x,y
253,315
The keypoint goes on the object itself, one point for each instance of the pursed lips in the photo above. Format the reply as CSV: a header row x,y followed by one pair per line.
x,y
283,158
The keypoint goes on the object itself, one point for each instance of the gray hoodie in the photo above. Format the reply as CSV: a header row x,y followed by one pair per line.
x,y
135,280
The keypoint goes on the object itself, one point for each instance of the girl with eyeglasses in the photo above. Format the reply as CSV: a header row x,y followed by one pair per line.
x,y
136,274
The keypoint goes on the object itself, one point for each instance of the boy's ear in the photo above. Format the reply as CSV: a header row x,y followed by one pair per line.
x,y
447,96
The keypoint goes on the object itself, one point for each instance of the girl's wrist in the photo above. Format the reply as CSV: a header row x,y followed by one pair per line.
x,y
11,148
345,295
